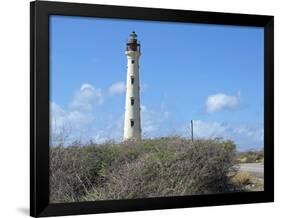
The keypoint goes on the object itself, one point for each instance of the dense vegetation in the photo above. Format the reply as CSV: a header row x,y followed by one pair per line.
x,y
250,157
139,169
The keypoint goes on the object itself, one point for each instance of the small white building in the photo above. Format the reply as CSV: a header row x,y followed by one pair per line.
x,y
132,125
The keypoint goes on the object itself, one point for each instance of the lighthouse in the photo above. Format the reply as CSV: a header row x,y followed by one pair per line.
x,y
132,122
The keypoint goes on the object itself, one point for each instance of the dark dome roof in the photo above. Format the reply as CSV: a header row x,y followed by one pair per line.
x,y
133,35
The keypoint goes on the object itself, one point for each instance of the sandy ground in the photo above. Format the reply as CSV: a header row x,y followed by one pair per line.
x,y
255,169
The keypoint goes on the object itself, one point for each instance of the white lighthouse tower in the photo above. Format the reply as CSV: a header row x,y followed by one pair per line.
x,y
132,125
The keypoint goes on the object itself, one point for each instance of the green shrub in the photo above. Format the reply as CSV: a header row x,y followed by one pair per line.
x,y
169,166
250,157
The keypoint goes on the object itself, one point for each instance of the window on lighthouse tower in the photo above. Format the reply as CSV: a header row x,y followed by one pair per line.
x,y
133,61
132,101
132,123
132,80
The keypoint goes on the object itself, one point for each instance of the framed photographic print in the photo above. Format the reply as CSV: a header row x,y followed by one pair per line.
x,y
141,109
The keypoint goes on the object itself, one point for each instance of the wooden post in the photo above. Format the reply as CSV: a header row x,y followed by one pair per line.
x,y
191,130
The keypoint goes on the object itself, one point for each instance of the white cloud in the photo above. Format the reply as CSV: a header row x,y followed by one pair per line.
x,y
245,136
151,120
114,128
221,101
117,88
86,98
57,116
143,87
79,120
69,125
209,129
76,120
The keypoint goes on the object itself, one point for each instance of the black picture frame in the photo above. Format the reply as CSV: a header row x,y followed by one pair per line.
x,y
39,107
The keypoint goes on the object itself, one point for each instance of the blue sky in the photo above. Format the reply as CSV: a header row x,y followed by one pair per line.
x,y
212,74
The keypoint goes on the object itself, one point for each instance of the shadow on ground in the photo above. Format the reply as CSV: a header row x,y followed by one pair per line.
x,y
23,210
